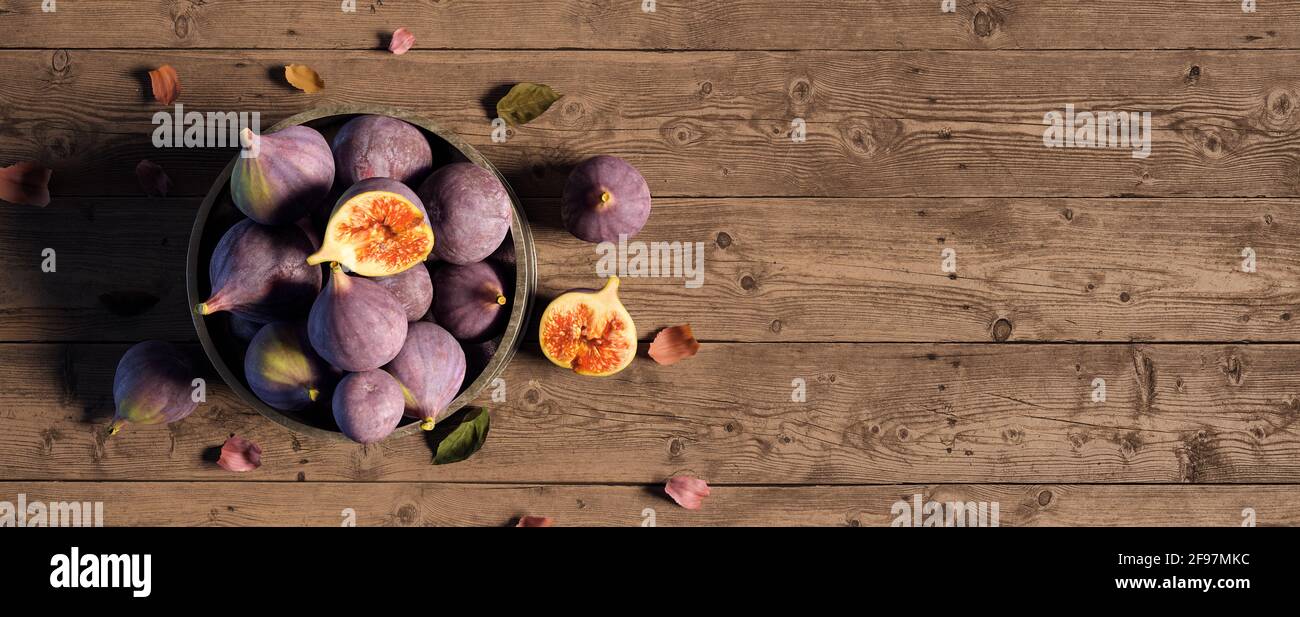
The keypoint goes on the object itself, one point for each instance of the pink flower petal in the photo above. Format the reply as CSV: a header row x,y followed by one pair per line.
x,y
402,41
152,178
673,344
25,183
535,521
239,454
688,492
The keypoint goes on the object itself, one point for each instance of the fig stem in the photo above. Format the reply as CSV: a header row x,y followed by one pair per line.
x,y
426,424
248,138
115,428
501,300
605,197
611,285
317,258
201,308
313,394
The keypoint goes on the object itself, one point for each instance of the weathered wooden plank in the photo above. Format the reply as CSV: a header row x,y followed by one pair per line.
x,y
879,124
774,269
674,24
898,413
401,504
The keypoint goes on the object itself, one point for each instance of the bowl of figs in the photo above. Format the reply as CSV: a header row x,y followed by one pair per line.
x,y
359,273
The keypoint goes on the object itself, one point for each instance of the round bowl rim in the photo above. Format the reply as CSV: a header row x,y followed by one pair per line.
x,y
525,277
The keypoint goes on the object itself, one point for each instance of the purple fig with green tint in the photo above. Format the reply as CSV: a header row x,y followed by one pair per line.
x,y
413,289
431,368
469,210
283,370
244,329
605,197
260,273
477,357
355,324
154,384
368,405
381,147
471,301
280,177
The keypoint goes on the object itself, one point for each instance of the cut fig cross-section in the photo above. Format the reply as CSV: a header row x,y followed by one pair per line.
x,y
589,331
377,228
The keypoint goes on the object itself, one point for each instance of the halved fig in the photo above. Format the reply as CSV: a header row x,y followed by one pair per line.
x,y
589,331
378,228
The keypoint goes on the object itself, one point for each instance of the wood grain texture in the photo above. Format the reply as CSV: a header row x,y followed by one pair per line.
x,y
846,270
402,504
675,24
898,413
880,124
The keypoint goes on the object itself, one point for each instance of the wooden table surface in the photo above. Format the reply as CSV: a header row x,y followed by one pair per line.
x,y
822,258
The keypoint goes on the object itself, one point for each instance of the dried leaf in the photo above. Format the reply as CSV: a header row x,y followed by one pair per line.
x,y
459,436
25,183
535,521
525,102
166,84
152,178
239,454
303,78
402,41
688,492
674,344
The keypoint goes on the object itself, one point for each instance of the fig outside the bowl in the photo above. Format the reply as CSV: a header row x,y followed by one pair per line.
x,y
589,332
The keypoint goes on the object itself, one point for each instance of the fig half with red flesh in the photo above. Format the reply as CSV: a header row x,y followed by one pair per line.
x,y
589,331
378,228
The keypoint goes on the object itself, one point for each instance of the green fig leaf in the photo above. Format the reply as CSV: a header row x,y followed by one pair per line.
x,y
460,436
525,102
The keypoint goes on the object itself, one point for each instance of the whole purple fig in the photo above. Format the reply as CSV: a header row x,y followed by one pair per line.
x,y
282,368
412,287
605,197
260,273
469,209
355,324
381,147
470,301
431,367
154,384
368,405
279,177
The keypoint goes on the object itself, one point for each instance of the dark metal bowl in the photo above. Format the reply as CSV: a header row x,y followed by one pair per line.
x,y
218,213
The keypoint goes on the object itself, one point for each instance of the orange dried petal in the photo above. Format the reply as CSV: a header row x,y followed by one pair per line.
x,y
673,345
166,84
